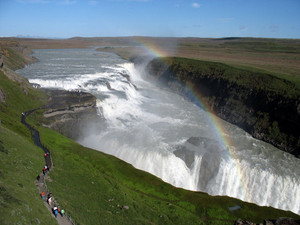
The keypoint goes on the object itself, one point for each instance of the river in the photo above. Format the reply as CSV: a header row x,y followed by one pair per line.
x,y
162,133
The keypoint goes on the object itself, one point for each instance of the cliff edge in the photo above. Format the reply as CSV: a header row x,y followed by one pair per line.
x,y
265,106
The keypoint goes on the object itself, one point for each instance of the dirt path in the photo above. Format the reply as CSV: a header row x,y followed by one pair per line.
x,y
40,183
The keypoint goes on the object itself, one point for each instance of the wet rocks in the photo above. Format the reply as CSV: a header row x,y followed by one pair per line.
x,y
186,155
210,153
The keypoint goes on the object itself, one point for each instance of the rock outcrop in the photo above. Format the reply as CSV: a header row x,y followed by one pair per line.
x,y
265,106
69,112
208,150
279,221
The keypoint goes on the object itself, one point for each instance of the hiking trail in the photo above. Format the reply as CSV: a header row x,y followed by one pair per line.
x,y
40,183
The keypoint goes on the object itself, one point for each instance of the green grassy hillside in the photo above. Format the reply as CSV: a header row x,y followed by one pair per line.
x,y
20,161
93,187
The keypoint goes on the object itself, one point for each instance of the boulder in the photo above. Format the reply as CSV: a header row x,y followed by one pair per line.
x,y
243,222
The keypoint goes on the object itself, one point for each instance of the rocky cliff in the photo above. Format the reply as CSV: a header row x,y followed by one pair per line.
x,y
265,106
69,112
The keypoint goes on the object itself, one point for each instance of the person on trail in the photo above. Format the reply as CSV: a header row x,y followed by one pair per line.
x,y
49,200
49,195
45,155
44,171
43,195
55,211
62,212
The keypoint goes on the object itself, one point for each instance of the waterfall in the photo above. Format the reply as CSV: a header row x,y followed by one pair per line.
x,y
162,133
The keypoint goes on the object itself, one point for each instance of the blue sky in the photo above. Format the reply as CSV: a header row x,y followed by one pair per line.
x,y
167,18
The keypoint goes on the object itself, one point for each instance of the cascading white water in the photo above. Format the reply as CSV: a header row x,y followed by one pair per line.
x,y
162,133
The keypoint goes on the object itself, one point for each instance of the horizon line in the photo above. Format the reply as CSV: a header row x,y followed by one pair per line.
x,y
141,36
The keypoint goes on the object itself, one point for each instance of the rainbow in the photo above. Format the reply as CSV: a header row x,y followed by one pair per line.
x,y
151,47
216,123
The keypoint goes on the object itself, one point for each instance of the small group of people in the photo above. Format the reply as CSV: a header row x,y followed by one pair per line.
x,y
56,211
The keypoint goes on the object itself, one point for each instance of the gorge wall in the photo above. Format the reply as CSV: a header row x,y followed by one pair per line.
x,y
265,106
69,112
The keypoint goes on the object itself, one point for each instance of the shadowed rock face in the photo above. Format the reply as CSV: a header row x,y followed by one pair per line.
x,y
186,155
70,112
210,153
268,112
209,167
210,160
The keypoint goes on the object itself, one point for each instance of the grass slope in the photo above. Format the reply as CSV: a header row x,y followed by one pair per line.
x,y
13,59
20,161
16,103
